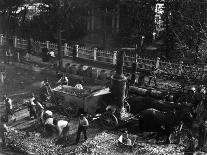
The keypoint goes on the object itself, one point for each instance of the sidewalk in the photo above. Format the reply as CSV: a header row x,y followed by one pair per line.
x,y
77,63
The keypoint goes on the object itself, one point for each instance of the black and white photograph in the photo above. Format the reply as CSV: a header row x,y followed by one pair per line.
x,y
103,77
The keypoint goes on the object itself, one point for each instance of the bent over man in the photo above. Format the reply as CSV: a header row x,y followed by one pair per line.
x,y
62,128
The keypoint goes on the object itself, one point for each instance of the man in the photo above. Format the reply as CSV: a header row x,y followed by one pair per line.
x,y
79,85
62,128
31,107
44,90
44,83
127,140
63,80
82,127
9,107
50,128
153,76
128,82
39,110
3,130
9,55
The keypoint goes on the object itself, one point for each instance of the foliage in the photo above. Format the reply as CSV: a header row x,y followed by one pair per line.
x,y
187,24
138,19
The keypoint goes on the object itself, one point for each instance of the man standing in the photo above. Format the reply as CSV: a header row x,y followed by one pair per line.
x,y
31,107
44,90
63,80
9,107
9,55
153,76
39,110
82,127
3,130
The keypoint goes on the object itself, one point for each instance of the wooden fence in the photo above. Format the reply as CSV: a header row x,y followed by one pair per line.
x,y
109,57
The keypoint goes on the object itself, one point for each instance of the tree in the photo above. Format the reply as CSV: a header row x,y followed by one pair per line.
x,y
8,11
186,24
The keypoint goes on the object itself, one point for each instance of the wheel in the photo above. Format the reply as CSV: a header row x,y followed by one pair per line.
x,y
71,109
109,121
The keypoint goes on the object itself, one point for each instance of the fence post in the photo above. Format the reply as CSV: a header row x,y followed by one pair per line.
x,y
18,57
65,49
157,62
15,41
114,57
75,51
94,53
48,44
180,68
1,39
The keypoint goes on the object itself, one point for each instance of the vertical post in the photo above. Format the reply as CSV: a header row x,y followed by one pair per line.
x,y
113,20
114,57
48,44
88,21
92,19
117,20
18,57
77,49
157,62
1,39
65,49
180,68
15,41
94,54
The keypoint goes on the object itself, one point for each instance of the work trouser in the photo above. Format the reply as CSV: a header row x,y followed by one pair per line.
x,y
64,132
50,129
39,115
8,113
32,112
81,129
2,135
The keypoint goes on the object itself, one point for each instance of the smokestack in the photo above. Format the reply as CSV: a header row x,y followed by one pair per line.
x,y
118,83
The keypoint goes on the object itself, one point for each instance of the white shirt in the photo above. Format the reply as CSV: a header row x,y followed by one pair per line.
x,y
42,83
52,54
63,80
39,105
61,124
9,102
78,86
32,101
48,112
83,122
49,121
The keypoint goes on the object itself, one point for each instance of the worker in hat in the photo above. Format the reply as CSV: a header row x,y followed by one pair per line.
x,y
82,127
49,121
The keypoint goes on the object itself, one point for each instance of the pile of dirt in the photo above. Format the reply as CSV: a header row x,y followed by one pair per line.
x,y
31,143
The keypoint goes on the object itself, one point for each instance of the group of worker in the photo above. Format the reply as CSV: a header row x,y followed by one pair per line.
x,y
61,127
196,98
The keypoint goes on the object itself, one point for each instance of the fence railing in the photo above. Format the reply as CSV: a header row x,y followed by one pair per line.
x,y
107,57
